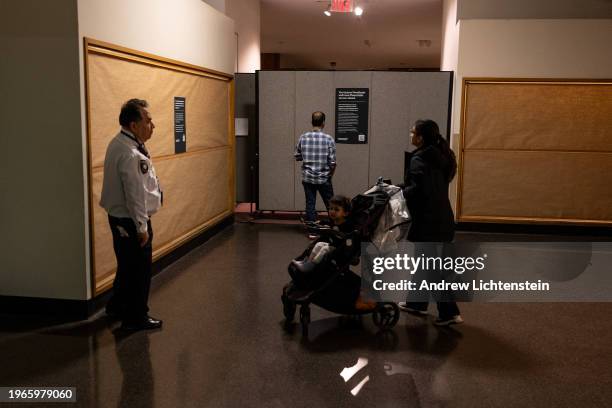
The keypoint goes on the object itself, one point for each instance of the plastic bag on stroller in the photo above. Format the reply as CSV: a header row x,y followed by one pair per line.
x,y
394,221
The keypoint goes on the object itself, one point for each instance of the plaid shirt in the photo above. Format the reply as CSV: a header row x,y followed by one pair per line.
x,y
317,152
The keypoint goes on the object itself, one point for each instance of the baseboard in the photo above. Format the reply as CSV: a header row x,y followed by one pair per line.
x,y
569,230
63,310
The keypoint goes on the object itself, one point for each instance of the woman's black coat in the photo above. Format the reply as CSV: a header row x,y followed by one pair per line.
x,y
426,191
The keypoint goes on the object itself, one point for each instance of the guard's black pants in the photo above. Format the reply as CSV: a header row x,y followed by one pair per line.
x,y
133,278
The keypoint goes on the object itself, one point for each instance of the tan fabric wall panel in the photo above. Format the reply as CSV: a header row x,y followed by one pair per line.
x,y
197,184
535,116
550,185
113,81
196,190
103,255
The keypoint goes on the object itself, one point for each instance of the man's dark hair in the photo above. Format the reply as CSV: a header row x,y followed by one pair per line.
x,y
318,118
130,111
341,201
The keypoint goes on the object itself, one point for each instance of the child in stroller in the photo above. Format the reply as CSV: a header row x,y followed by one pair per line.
x,y
325,278
339,214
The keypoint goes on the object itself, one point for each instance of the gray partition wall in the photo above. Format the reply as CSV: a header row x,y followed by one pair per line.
x,y
287,99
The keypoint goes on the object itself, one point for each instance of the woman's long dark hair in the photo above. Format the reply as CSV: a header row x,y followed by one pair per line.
x,y
430,132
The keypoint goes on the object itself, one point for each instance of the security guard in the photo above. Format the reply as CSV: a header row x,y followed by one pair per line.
x,y
130,195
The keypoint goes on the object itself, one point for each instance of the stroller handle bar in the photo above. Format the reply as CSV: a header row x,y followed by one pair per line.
x,y
324,230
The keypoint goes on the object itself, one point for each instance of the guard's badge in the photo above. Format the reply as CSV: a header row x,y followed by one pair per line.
x,y
144,167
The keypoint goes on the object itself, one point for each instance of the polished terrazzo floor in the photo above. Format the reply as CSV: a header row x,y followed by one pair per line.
x,y
223,345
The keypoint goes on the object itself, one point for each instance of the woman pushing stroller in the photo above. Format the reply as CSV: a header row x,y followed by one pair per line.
x,y
431,168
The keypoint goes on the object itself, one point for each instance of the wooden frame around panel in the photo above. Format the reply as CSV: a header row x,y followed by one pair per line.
x,y
116,51
515,220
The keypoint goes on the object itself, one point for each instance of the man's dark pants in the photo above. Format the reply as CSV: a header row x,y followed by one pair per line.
x,y
310,190
133,279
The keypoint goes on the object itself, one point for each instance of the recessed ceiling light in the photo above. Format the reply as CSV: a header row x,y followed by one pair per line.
x,y
327,13
358,11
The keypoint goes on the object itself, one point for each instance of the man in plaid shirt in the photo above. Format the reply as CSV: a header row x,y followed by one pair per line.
x,y
317,152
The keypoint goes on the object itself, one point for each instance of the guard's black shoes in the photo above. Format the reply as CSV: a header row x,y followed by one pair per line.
x,y
148,323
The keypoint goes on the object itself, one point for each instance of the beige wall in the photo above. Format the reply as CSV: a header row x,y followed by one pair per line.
x,y
218,4
450,36
44,248
524,9
190,31
185,30
570,48
42,235
448,62
246,16
533,48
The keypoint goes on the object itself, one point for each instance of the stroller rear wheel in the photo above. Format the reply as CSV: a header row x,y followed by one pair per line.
x,y
386,315
288,308
305,318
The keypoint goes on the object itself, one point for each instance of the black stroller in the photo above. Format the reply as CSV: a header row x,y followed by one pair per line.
x,y
331,284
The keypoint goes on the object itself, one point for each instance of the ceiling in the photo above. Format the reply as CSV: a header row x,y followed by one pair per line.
x,y
386,36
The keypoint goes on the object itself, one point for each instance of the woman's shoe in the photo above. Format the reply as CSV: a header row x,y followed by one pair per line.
x,y
403,306
448,321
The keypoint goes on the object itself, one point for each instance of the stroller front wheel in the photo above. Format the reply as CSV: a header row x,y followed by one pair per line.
x,y
386,315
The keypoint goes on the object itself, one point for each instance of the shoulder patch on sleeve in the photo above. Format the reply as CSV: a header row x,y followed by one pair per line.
x,y
144,166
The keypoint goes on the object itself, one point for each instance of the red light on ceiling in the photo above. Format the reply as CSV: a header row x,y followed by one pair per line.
x,y
342,6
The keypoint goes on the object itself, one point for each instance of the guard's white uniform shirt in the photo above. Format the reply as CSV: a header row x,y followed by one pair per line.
x,y
130,187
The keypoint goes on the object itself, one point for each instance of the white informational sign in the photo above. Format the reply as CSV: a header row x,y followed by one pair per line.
x,y
241,126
